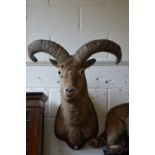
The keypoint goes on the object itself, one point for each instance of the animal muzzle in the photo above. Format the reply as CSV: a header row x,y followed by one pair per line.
x,y
70,92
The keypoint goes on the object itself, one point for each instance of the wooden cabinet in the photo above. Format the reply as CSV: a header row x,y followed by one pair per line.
x,y
35,106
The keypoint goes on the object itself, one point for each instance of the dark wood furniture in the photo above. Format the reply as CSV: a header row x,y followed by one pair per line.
x,y
35,106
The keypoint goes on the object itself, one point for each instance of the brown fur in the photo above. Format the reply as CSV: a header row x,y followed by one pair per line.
x,y
116,130
76,120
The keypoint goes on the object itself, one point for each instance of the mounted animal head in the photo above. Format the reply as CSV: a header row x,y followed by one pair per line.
x,y
71,67
76,120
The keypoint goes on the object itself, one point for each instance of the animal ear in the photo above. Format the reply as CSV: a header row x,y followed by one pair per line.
x,y
89,63
54,62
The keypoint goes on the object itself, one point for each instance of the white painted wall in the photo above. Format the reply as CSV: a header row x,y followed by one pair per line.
x,y
72,23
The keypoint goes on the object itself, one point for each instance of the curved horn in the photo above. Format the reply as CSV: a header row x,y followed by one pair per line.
x,y
47,46
95,46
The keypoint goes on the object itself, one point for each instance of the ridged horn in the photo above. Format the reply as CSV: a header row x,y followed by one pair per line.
x,y
95,46
49,47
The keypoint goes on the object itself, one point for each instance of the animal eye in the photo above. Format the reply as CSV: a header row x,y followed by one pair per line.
x,y
59,72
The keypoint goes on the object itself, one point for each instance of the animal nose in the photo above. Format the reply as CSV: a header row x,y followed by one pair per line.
x,y
69,90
